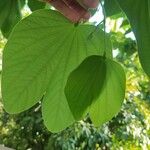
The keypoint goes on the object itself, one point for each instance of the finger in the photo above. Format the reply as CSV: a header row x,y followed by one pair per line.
x,y
82,12
89,3
72,11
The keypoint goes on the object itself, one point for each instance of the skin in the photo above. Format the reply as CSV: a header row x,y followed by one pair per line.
x,y
75,10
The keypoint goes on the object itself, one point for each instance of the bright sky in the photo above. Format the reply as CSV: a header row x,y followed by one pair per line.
x,y
98,17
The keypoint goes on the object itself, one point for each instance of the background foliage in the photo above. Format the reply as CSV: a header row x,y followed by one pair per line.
x,y
130,129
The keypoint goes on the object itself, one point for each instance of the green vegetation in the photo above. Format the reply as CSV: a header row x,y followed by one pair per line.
x,y
65,74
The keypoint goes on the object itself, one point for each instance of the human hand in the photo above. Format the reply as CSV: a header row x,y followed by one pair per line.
x,y
75,10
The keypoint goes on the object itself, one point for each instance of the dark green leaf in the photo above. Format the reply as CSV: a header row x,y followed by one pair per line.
x,y
9,15
111,7
84,85
138,13
35,4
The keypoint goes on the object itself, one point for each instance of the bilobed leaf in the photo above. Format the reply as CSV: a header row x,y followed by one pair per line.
x,y
9,15
84,85
138,13
41,52
73,49
35,4
111,96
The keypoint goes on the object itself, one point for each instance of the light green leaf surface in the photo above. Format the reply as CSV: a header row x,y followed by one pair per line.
x,y
84,85
112,95
40,54
138,13
9,15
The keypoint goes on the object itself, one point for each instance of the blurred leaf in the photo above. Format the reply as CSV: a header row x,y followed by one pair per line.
x,y
112,95
111,7
9,15
35,4
40,54
22,3
84,85
125,23
139,17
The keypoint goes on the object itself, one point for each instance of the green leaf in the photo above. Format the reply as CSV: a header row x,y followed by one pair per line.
x,y
84,85
35,4
138,13
9,15
111,7
112,94
41,52
21,3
